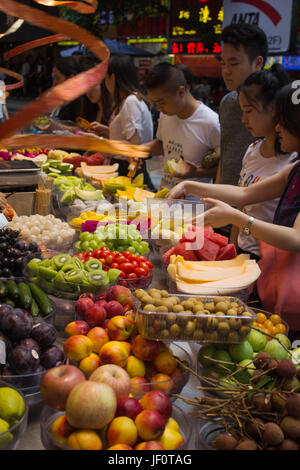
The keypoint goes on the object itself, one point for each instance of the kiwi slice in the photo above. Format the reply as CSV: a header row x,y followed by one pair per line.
x,y
46,263
74,276
77,262
59,282
60,260
98,279
47,273
93,265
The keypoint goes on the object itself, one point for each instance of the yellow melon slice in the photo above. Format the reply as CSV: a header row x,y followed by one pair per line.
x,y
141,194
208,274
237,261
225,286
90,170
172,271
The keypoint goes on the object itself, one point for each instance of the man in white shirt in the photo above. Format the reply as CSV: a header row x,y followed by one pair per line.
x,y
3,108
187,128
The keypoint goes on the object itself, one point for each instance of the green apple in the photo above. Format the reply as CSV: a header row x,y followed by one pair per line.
x,y
241,351
275,350
257,340
206,351
284,339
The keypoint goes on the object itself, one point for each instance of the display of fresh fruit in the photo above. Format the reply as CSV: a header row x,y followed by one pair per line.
x,y
136,270
205,319
48,230
71,188
96,419
91,160
200,244
29,296
66,273
98,173
14,252
271,324
54,168
12,410
213,277
29,344
121,182
116,236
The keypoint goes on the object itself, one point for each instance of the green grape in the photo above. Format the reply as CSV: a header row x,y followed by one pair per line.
x,y
94,244
131,249
86,246
99,236
144,246
78,245
85,236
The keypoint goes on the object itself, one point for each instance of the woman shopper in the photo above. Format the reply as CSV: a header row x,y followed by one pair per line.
x,y
131,120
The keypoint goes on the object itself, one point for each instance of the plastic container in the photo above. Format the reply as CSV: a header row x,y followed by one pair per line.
x,y
9,440
172,386
268,314
142,282
27,384
188,326
49,415
207,432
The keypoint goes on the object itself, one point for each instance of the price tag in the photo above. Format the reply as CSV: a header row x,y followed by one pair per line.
x,y
2,352
3,221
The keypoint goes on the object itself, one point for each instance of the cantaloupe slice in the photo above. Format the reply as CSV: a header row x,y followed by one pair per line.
x,y
237,261
208,274
91,171
225,286
172,271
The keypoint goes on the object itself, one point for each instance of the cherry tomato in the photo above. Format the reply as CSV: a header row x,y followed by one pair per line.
x,y
114,253
109,259
132,257
126,253
131,276
144,266
97,253
102,260
114,266
126,267
134,263
149,264
122,275
140,272
120,259
142,259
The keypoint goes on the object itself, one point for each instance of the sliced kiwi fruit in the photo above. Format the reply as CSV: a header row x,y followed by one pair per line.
x,y
77,262
74,276
59,282
60,260
98,279
93,265
46,263
47,273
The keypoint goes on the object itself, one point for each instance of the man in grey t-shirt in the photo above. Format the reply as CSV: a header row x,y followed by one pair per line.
x,y
244,51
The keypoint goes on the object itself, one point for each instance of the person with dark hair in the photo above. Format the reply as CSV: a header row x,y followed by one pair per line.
x,y
131,120
244,51
65,68
190,80
187,128
278,285
97,106
264,158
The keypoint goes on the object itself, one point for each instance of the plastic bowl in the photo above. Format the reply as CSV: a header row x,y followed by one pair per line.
x,y
171,386
27,384
10,439
48,416
189,326
268,314
206,432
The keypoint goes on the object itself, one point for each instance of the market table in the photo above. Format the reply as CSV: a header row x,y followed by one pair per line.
x,y
31,439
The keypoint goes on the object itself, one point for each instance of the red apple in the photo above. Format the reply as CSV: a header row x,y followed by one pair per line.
x,y
149,445
139,385
114,308
95,315
88,295
114,376
121,294
57,383
145,349
128,406
150,425
103,304
159,401
82,305
77,327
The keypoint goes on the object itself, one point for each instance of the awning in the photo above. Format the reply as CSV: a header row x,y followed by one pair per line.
x,y
201,65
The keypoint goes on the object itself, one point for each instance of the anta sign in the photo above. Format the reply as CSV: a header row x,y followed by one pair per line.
x,y
274,17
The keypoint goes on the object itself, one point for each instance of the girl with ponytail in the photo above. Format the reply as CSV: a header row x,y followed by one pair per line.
x,y
263,159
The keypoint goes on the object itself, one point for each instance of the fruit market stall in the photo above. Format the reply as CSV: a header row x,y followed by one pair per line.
x,y
108,295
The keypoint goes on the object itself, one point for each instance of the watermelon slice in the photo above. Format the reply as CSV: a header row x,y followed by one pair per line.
x,y
184,249
208,252
227,252
188,236
167,255
218,239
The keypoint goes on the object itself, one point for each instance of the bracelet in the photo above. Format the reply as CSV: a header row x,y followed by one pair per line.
x,y
247,228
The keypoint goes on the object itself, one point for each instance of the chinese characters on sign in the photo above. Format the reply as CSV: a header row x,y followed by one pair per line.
x,y
195,47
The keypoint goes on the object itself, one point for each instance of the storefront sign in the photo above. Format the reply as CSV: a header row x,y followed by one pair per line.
x,y
195,47
272,16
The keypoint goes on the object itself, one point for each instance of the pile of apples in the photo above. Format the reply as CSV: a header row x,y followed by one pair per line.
x,y
107,335
100,414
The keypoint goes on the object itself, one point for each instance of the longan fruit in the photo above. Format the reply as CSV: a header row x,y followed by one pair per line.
x,y
171,318
164,293
149,308
210,306
198,335
211,336
177,308
188,305
161,308
164,334
189,328
232,312
233,337
175,330
221,307
146,299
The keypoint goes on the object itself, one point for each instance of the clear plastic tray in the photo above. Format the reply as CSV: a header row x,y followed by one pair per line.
x,y
217,327
10,439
